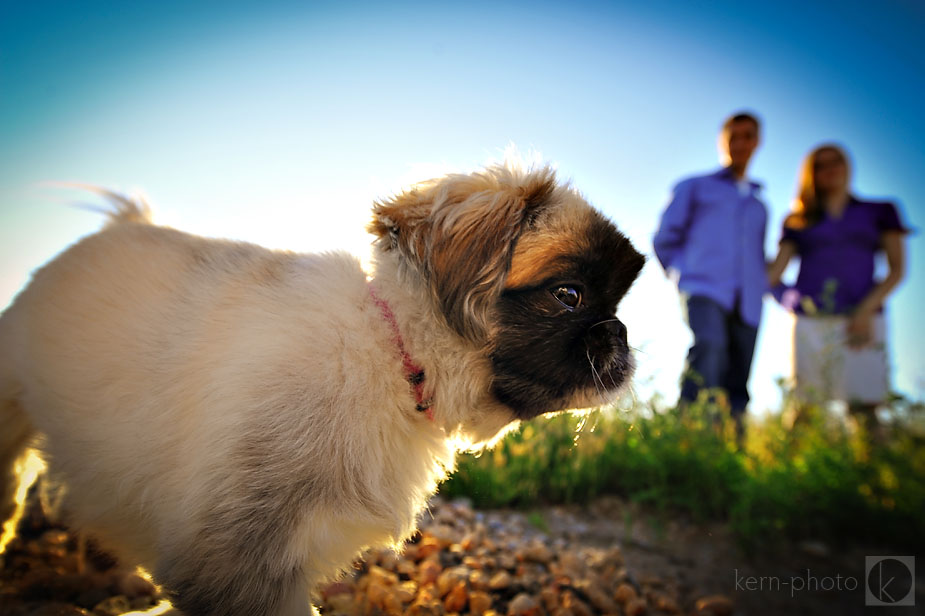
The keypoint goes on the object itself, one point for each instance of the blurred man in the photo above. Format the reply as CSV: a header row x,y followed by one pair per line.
x,y
711,241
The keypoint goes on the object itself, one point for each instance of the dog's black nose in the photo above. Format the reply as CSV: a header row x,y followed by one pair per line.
x,y
617,331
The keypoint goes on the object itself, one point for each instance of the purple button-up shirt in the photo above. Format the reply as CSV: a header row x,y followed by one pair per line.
x,y
712,235
837,257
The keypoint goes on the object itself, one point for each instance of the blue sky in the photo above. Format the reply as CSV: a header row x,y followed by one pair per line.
x,y
281,124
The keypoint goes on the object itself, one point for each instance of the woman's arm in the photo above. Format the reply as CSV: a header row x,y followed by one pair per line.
x,y
859,324
785,252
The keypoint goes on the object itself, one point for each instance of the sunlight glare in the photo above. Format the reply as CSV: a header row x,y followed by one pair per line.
x,y
27,469
161,608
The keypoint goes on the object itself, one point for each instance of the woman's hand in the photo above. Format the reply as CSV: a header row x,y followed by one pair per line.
x,y
859,330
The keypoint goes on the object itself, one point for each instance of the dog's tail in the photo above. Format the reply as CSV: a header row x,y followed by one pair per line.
x,y
121,209
126,208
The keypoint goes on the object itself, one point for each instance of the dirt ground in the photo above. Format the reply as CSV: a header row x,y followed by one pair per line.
x,y
610,557
704,559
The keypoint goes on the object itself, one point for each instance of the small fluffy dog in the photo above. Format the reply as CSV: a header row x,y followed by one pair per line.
x,y
243,422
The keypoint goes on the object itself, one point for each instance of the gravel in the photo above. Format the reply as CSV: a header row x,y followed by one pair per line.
x,y
608,557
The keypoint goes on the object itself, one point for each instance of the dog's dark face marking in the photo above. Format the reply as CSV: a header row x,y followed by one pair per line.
x,y
525,266
557,333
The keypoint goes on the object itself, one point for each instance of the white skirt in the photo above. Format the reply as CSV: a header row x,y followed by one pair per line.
x,y
826,368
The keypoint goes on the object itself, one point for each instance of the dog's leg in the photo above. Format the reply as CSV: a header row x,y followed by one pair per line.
x,y
225,574
295,601
240,595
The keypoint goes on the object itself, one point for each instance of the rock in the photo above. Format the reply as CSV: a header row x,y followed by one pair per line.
x,y
635,607
524,605
457,598
91,597
666,604
343,605
574,605
450,578
426,547
45,584
445,534
428,572
427,593
651,581
478,580
536,552
143,603
457,550
406,591
406,568
613,556
376,593
54,537
624,593
383,576
506,560
500,581
549,597
815,548
473,563
113,606
392,604
55,553
428,607
445,516
57,609
463,508
570,564
388,559
599,599
479,602
132,585
714,605
469,542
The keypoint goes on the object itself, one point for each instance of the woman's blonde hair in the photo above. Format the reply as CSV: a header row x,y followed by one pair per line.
x,y
807,210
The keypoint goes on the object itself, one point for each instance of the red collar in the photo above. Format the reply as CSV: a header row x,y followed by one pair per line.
x,y
413,372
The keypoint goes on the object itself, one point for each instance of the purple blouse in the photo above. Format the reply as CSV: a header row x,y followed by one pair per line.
x,y
837,256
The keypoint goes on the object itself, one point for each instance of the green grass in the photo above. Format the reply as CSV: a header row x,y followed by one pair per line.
x,y
820,480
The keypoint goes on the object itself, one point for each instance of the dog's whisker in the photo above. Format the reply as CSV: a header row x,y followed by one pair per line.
x,y
596,378
605,321
610,374
633,395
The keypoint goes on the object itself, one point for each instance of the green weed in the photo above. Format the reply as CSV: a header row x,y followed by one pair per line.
x,y
820,479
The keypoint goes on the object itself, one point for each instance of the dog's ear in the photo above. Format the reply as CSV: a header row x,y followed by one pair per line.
x,y
459,232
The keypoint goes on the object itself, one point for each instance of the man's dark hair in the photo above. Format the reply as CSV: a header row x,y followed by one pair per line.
x,y
742,116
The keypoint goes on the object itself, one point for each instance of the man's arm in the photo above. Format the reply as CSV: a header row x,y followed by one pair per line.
x,y
672,231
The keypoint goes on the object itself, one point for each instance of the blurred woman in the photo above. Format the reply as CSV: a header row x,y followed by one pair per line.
x,y
839,335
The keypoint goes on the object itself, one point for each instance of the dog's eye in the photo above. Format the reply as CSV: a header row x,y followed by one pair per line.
x,y
570,297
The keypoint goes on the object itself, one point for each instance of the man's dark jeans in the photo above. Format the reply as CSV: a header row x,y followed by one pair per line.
x,y
721,355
